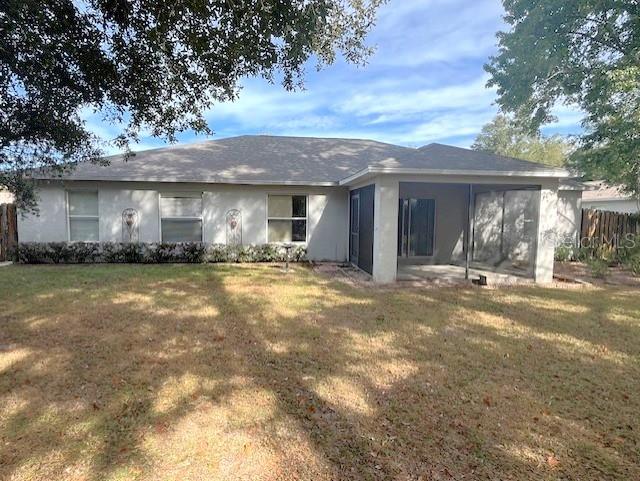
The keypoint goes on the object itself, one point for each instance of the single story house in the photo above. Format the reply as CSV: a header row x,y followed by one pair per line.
x,y
379,206
600,196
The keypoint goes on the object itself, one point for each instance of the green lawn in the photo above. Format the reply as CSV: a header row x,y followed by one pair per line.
x,y
240,372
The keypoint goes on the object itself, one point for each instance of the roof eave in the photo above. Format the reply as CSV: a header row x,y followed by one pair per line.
x,y
193,181
551,173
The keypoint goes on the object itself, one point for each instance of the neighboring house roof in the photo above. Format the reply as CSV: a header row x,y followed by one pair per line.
x,y
263,159
572,184
598,190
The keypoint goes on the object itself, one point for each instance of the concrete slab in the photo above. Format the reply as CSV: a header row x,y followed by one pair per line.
x,y
450,274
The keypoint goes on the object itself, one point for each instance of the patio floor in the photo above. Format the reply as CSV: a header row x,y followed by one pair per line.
x,y
450,274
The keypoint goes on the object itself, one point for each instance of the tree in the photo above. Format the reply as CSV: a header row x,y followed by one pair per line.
x,y
505,137
148,64
585,53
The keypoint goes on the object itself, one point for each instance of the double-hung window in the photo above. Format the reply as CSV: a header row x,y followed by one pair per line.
x,y
287,218
82,208
181,217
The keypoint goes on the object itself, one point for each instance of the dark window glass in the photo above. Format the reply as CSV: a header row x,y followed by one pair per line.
x,y
299,205
422,223
355,214
299,231
178,230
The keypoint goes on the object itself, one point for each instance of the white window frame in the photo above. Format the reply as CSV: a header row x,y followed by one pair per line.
x,y
170,194
81,217
305,218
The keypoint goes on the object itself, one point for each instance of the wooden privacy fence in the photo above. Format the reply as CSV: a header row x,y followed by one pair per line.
x,y
8,230
611,229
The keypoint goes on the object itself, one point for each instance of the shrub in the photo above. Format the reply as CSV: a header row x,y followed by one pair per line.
x,y
82,252
583,254
194,252
159,253
633,263
218,253
599,268
120,252
629,254
31,253
564,253
246,254
59,252
268,253
131,253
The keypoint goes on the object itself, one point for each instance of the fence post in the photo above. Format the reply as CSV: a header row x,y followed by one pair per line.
x,y
602,227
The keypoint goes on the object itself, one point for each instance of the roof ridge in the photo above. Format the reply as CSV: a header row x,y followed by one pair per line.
x,y
180,145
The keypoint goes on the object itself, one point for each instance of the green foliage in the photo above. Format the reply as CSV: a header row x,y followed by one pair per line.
x,y
505,136
629,254
194,252
583,253
255,253
583,53
151,253
633,263
85,252
153,65
564,253
598,252
598,267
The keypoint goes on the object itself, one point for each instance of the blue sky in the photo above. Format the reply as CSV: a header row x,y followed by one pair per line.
x,y
425,83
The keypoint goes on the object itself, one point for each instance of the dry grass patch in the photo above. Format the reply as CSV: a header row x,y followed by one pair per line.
x,y
239,372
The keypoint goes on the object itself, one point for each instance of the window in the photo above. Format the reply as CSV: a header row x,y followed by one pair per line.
x,y
416,227
181,217
287,218
83,216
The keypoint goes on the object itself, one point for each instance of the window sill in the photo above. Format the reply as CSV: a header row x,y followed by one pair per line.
x,y
282,243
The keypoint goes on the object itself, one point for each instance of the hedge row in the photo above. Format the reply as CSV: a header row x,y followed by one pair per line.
x,y
150,253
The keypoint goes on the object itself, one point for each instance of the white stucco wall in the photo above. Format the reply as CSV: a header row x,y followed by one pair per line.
x,y
50,224
327,216
385,229
569,216
547,222
112,200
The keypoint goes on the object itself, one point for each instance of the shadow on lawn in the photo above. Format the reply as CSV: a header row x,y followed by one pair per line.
x,y
241,373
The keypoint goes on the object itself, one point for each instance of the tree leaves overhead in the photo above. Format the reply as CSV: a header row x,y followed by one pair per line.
x,y
583,52
504,136
149,64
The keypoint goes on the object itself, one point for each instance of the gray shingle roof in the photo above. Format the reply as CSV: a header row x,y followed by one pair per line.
x,y
301,160
447,157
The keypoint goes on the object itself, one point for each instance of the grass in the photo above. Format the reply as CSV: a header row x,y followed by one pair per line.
x,y
239,372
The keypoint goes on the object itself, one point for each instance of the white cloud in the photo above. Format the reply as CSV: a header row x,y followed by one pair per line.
x,y
453,124
390,105
413,33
